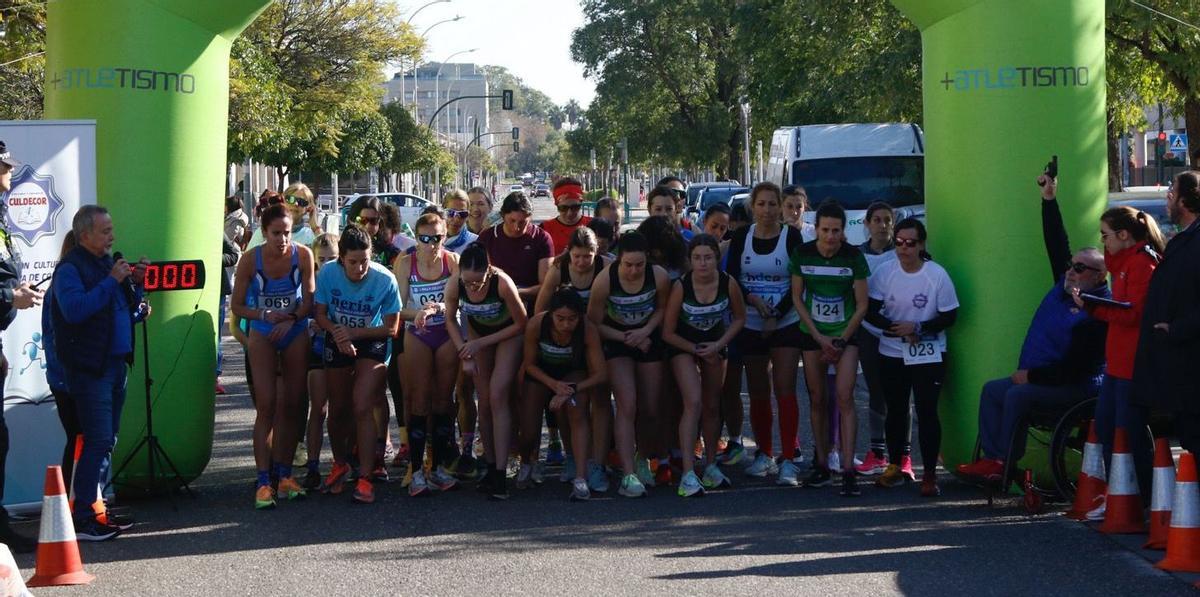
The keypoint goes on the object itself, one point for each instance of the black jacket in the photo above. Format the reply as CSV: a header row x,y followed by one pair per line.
x,y
10,277
1162,370
229,258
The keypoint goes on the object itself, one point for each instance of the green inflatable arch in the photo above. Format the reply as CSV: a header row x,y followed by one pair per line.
x,y
154,75
1006,83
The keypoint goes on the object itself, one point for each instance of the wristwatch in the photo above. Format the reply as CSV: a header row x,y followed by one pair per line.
x,y
266,314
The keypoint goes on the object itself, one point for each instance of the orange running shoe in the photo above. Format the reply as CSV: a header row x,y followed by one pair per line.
x,y
289,489
364,491
264,498
335,483
662,475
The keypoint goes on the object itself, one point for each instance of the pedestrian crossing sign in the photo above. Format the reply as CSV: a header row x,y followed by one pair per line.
x,y
1177,144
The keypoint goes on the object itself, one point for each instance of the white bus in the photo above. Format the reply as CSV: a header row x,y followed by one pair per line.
x,y
856,164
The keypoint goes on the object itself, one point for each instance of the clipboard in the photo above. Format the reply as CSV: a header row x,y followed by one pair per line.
x,y
1099,300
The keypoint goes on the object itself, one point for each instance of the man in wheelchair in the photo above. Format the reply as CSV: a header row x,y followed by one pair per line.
x,y
1062,356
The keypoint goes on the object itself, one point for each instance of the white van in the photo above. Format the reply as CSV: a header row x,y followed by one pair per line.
x,y
856,164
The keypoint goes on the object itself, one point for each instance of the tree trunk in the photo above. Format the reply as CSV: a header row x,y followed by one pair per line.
x,y
734,170
1191,114
1114,157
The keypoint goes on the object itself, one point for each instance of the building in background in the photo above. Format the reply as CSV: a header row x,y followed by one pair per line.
x,y
458,120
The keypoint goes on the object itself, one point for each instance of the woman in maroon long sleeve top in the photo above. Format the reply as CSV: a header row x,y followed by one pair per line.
x,y
1132,245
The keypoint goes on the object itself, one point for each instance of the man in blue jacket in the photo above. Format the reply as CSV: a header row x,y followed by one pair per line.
x,y
95,303
1063,353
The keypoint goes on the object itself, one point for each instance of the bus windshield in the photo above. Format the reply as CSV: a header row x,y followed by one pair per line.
x,y
857,182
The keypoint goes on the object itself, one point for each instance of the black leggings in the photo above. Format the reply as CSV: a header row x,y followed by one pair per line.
x,y
924,382
71,427
393,381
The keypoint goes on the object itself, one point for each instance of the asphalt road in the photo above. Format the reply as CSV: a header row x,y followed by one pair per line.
x,y
756,539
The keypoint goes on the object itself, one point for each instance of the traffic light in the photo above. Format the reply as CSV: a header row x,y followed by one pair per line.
x,y
516,147
1161,146
1162,136
516,133
506,99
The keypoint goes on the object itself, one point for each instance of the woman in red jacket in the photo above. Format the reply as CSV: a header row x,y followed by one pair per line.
x,y
1132,245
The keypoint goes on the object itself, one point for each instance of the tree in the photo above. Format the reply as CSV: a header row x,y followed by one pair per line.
x,y
1172,47
414,147
669,78
1133,84
21,96
306,71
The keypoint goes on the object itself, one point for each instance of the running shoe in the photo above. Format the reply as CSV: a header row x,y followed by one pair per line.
x,y
788,474
762,465
698,449
300,458
389,451
631,487
554,453
264,498
819,477
364,491
220,389
442,480
312,480
929,486
835,462
380,474
418,487
874,465
93,530
644,476
580,491
690,486
732,454
538,475
597,479
892,476
401,457
336,481
850,485
123,523
568,470
499,488
289,489
467,467
714,478
906,467
985,468
662,476
525,477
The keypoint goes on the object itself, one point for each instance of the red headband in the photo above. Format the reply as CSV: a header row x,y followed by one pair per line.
x,y
569,189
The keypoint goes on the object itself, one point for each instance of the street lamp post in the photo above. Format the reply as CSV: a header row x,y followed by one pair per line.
x,y
423,7
437,93
423,34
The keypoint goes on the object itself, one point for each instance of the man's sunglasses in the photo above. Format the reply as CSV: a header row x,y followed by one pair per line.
x,y
1079,268
456,213
562,209
294,200
364,221
907,242
430,239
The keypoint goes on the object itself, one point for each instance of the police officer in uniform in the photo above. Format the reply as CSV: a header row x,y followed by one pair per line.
x,y
14,295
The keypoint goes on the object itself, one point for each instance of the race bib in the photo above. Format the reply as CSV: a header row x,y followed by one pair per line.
x,y
278,303
351,321
828,309
924,351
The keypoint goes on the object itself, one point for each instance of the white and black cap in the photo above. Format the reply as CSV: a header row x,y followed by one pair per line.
x,y
6,157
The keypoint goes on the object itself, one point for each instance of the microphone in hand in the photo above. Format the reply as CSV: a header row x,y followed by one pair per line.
x,y
127,285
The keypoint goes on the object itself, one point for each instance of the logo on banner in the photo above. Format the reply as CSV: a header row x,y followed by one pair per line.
x,y
33,205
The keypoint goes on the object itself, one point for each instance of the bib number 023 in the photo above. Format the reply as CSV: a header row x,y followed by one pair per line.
x,y
922,352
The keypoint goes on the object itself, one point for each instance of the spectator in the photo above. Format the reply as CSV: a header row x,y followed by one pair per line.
x,y
237,223
230,253
1169,344
568,199
1061,357
95,306
14,295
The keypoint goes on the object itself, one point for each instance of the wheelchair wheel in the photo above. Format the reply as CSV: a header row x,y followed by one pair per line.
x,y
1066,447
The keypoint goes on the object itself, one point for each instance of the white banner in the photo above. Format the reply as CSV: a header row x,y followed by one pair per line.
x,y
57,176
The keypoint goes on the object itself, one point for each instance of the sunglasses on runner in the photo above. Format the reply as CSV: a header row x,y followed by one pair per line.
x,y
562,209
679,193
294,200
430,239
1079,268
372,221
456,213
907,242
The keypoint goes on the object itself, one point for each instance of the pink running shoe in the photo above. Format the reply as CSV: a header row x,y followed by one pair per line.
x,y
873,465
906,467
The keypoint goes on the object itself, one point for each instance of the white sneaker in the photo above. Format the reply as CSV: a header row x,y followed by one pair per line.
x,y
442,480
788,474
580,491
418,486
631,487
525,477
690,485
714,478
761,466
835,462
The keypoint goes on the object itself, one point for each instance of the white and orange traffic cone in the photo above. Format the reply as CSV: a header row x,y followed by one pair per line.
x,y
1183,539
1161,498
58,561
10,575
1090,490
1123,502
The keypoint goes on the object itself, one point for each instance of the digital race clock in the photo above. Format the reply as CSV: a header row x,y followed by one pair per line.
x,y
163,276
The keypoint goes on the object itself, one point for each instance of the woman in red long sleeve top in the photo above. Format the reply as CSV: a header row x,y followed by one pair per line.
x,y
1132,245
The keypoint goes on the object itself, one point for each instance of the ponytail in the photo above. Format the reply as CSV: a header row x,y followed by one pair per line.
x,y
1139,224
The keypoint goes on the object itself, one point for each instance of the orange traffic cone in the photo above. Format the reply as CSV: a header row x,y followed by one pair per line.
x,y
58,561
1089,491
1183,539
1123,503
1160,500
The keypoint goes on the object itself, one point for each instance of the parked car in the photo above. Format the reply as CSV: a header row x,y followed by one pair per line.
x,y
711,196
692,202
541,190
1152,200
516,188
410,206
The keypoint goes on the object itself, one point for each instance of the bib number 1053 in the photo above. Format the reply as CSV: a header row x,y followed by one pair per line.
x,y
922,352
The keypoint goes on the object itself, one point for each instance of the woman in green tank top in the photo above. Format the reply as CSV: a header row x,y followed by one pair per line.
x,y
492,351
696,331
564,366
